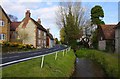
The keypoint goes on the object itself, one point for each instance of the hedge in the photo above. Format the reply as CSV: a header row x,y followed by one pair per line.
x,y
108,61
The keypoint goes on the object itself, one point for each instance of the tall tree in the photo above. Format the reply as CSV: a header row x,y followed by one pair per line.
x,y
71,16
97,14
62,36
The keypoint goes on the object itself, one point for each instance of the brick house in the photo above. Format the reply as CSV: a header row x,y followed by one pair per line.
x,y
32,32
4,26
117,38
106,37
13,32
49,40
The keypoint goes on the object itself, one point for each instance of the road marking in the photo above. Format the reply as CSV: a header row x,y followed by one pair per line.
x,y
27,58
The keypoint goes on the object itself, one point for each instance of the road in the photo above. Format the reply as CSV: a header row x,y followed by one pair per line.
x,y
18,57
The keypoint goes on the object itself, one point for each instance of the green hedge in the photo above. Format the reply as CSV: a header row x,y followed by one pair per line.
x,y
108,61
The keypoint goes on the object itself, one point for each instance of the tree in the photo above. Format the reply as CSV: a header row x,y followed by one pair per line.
x,y
56,41
96,14
12,18
62,36
71,16
23,35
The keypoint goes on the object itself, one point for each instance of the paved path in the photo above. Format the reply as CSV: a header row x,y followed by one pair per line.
x,y
21,56
87,68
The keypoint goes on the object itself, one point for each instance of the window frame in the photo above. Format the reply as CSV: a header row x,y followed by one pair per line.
x,y
2,23
2,36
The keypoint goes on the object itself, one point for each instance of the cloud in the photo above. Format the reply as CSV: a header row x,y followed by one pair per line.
x,y
46,12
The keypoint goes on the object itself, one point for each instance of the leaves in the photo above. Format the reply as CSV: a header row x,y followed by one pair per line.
x,y
97,13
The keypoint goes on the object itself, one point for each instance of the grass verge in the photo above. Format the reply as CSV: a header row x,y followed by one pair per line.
x,y
61,67
108,61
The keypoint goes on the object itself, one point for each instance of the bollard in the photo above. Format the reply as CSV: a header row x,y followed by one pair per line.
x,y
56,56
42,61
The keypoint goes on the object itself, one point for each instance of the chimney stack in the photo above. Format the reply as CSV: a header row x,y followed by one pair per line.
x,y
48,30
39,21
28,13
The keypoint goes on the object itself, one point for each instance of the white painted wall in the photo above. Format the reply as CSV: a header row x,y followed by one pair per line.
x,y
102,45
117,40
30,31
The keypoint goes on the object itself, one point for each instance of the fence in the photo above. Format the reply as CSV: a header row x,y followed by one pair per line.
x,y
56,54
42,63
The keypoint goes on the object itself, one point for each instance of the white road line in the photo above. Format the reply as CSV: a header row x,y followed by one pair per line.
x,y
27,59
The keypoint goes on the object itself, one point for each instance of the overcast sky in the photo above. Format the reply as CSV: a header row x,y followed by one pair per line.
x,y
46,11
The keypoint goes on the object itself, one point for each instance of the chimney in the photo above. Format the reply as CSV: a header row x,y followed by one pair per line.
x,y
48,30
28,13
39,21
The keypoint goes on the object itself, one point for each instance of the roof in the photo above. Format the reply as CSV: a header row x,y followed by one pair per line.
x,y
50,35
5,13
108,31
14,25
118,25
39,26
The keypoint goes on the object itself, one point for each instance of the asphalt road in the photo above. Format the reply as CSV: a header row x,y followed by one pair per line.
x,y
19,56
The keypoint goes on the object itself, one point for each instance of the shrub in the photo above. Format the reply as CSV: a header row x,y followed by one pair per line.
x,y
6,44
109,62
29,46
14,44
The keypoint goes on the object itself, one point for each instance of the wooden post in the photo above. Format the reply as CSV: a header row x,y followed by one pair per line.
x,y
56,56
66,50
63,52
69,48
42,61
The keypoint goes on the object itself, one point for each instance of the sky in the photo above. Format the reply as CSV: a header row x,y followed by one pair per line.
x,y
46,11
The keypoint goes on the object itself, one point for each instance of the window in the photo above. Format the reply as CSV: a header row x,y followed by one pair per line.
x,y
2,36
44,35
39,33
1,23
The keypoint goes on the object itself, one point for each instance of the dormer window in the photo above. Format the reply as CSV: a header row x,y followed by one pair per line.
x,y
2,23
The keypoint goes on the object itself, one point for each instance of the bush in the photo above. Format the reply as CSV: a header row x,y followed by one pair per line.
x,y
14,44
109,62
6,44
29,46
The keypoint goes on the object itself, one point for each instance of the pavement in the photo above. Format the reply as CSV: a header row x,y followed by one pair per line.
x,y
6,59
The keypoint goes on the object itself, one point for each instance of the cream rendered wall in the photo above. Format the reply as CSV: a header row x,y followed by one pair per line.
x,y
30,31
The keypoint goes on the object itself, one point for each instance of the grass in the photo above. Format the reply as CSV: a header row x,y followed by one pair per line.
x,y
61,67
108,61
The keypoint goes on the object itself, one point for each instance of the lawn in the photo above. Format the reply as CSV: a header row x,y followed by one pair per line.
x,y
63,66
108,61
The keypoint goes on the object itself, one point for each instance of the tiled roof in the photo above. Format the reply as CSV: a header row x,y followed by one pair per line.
x,y
108,31
39,26
50,35
118,25
14,25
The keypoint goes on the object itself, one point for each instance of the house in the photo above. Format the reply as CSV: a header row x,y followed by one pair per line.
x,y
106,37
4,26
117,38
13,32
49,40
31,31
